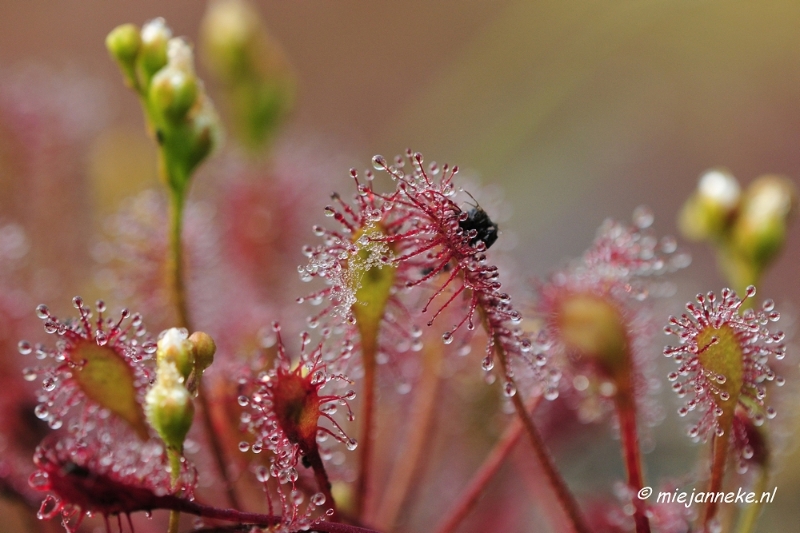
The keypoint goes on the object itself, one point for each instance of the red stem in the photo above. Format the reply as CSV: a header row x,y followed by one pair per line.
x,y
626,410
469,496
565,497
254,519
322,481
719,460
366,437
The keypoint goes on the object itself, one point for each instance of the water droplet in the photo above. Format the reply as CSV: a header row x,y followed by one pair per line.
x,y
42,311
643,217
41,411
488,363
509,389
351,444
318,499
244,446
551,393
24,347
49,383
447,337
379,162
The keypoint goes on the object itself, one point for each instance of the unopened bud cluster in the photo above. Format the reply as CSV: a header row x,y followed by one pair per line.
x,y
747,226
160,68
181,360
251,67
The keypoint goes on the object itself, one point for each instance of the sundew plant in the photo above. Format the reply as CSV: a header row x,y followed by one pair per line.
x,y
375,362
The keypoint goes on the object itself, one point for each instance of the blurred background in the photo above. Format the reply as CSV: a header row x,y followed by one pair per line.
x,y
576,110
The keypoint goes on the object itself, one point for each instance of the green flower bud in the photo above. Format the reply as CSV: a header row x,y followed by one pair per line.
x,y
123,43
175,348
173,92
252,67
708,212
760,229
155,36
169,406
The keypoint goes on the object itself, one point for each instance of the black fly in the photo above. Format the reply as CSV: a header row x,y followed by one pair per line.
x,y
478,220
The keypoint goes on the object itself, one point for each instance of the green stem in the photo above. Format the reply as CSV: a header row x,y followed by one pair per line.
x,y
178,287
175,474
748,518
177,281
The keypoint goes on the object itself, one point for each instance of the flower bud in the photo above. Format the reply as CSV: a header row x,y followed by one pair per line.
x,y
155,36
123,43
175,348
204,348
230,31
760,229
708,211
169,406
253,69
173,92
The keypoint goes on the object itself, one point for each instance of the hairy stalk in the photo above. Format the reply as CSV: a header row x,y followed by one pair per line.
x,y
477,484
420,420
719,460
565,497
322,481
369,352
175,474
626,410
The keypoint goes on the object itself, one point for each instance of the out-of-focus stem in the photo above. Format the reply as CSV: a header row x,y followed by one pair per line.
x,y
369,352
477,484
748,518
563,494
626,410
420,420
